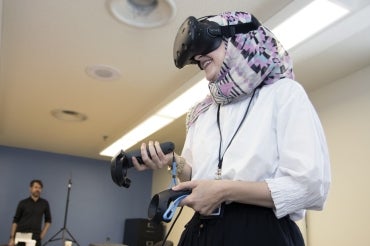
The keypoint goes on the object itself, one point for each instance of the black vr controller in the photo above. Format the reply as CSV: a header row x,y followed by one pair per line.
x,y
161,202
123,161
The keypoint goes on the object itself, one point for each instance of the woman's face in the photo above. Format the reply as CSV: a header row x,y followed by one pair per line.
x,y
211,62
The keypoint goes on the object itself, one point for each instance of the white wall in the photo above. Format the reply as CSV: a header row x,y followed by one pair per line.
x,y
344,110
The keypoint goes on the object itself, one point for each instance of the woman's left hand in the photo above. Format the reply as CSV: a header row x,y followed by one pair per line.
x,y
156,160
206,195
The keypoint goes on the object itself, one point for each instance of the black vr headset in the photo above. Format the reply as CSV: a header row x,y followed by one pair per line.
x,y
201,36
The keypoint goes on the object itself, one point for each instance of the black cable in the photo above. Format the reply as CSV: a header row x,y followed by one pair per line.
x,y
173,183
169,231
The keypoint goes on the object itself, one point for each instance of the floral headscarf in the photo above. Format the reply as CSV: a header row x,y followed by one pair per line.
x,y
252,59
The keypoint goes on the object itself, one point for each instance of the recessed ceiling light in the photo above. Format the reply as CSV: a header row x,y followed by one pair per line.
x,y
143,13
102,72
68,115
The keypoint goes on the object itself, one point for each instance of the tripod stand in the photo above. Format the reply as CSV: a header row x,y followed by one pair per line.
x,y
64,229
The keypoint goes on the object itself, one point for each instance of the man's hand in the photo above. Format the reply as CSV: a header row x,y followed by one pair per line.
x,y
11,242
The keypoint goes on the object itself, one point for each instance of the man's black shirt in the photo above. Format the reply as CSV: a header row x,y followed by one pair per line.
x,y
28,216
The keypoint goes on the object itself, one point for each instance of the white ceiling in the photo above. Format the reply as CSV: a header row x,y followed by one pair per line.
x,y
47,45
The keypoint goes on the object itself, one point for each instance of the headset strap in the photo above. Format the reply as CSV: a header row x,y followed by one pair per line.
x,y
168,214
231,30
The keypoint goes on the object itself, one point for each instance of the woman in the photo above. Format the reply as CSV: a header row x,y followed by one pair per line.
x,y
255,151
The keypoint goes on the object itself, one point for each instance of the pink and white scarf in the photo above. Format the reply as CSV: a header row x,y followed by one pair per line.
x,y
251,59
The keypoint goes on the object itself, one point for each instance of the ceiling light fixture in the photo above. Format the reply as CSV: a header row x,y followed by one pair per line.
x,y
308,21
68,115
102,72
143,13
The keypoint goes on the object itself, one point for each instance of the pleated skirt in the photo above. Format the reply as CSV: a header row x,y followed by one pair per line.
x,y
242,224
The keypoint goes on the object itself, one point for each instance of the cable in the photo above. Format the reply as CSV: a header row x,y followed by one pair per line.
x,y
173,223
172,184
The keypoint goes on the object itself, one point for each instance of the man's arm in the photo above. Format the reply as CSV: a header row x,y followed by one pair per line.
x,y
12,234
44,230
47,223
17,216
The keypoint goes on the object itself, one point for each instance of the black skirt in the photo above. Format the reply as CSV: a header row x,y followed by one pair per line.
x,y
242,224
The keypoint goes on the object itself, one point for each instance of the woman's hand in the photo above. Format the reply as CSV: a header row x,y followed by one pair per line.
x,y
206,195
158,159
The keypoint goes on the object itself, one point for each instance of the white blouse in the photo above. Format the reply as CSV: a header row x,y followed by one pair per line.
x,y
281,142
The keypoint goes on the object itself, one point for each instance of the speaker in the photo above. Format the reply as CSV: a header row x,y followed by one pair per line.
x,y
142,232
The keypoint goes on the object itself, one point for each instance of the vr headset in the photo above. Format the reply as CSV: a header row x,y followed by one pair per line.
x,y
201,36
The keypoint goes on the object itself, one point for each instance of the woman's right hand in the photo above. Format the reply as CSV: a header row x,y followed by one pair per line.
x,y
158,159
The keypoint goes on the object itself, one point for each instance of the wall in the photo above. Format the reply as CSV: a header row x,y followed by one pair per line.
x,y
97,207
344,109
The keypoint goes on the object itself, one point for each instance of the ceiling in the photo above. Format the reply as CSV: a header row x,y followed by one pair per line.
x,y
46,47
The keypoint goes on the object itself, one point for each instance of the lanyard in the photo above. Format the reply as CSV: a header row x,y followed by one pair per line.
x,y
221,156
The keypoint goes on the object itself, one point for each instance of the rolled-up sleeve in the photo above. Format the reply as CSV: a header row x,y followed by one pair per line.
x,y
47,213
18,213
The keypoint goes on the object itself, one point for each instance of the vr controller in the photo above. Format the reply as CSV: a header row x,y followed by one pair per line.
x,y
123,161
163,205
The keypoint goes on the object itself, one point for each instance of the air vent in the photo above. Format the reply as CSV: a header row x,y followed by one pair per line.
x,y
143,13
